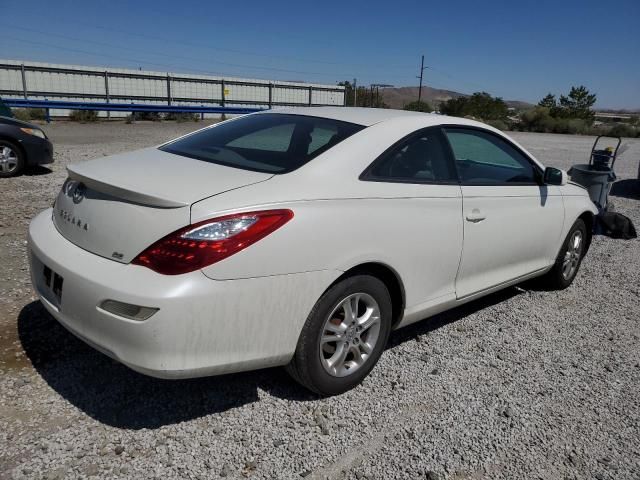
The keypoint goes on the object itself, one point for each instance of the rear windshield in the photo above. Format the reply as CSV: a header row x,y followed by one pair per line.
x,y
268,142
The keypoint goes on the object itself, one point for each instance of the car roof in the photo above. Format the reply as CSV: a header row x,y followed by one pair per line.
x,y
370,116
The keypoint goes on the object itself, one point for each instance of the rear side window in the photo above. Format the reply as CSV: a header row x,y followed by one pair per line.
x,y
420,158
269,142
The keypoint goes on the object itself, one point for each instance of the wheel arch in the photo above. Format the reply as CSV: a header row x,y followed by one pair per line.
x,y
386,275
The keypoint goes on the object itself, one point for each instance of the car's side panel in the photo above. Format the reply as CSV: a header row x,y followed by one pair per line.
x,y
509,231
420,238
576,202
342,221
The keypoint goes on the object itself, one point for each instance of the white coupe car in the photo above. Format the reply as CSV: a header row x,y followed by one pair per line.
x,y
298,237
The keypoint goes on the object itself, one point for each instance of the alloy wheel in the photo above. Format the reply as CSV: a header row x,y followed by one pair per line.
x,y
8,159
572,256
350,334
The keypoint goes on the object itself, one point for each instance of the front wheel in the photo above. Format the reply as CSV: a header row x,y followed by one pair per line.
x,y
344,336
569,259
11,159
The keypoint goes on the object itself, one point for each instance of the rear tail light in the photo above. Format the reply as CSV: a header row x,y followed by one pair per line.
x,y
205,243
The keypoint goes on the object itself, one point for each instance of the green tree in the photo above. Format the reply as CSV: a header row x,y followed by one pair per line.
x,y
578,104
479,105
483,105
548,101
419,106
454,107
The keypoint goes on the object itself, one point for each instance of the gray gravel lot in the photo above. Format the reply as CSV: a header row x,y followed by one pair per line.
x,y
522,384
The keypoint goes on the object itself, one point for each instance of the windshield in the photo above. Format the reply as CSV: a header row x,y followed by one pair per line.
x,y
269,142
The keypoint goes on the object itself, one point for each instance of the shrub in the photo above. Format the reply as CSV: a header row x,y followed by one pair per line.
x,y
622,130
571,125
182,117
83,116
26,114
21,114
479,105
149,116
419,106
37,113
537,119
499,124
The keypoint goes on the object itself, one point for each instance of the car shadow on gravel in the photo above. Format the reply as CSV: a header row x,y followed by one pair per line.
x,y
116,395
37,171
435,322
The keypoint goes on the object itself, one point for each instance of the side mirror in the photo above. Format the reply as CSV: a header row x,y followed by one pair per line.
x,y
554,176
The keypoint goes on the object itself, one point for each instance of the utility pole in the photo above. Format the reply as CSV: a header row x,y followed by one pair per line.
x,y
422,68
355,92
378,86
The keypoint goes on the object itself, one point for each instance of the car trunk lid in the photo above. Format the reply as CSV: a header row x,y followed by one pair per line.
x,y
117,206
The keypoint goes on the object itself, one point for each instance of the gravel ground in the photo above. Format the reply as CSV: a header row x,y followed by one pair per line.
x,y
521,384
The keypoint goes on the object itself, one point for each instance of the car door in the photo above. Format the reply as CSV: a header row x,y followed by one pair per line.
x,y
418,222
512,221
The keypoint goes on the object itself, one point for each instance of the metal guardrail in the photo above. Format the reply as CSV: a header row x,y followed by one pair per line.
x,y
125,107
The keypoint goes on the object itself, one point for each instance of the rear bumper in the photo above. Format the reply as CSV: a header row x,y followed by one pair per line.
x,y
203,326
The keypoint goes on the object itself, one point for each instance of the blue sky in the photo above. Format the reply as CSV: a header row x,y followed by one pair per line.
x,y
516,49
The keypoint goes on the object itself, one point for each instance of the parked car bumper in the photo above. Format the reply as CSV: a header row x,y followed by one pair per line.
x,y
39,151
203,326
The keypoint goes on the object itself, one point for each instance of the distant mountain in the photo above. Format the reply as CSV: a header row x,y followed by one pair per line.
x,y
399,97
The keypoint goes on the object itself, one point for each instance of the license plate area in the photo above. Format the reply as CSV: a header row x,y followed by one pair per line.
x,y
52,286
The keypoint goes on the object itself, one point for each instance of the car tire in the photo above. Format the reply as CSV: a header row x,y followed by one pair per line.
x,y
568,262
330,331
11,159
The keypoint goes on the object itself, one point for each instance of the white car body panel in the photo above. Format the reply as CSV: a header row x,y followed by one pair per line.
x,y
518,234
247,310
203,327
372,227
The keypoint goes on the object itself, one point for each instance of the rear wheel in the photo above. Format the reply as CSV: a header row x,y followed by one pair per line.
x,y
343,336
11,159
568,261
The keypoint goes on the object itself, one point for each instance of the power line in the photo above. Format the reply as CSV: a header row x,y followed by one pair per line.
x,y
237,65
192,44
242,52
199,59
106,55
165,66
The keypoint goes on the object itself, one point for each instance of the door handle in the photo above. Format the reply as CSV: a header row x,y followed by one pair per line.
x,y
475,216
